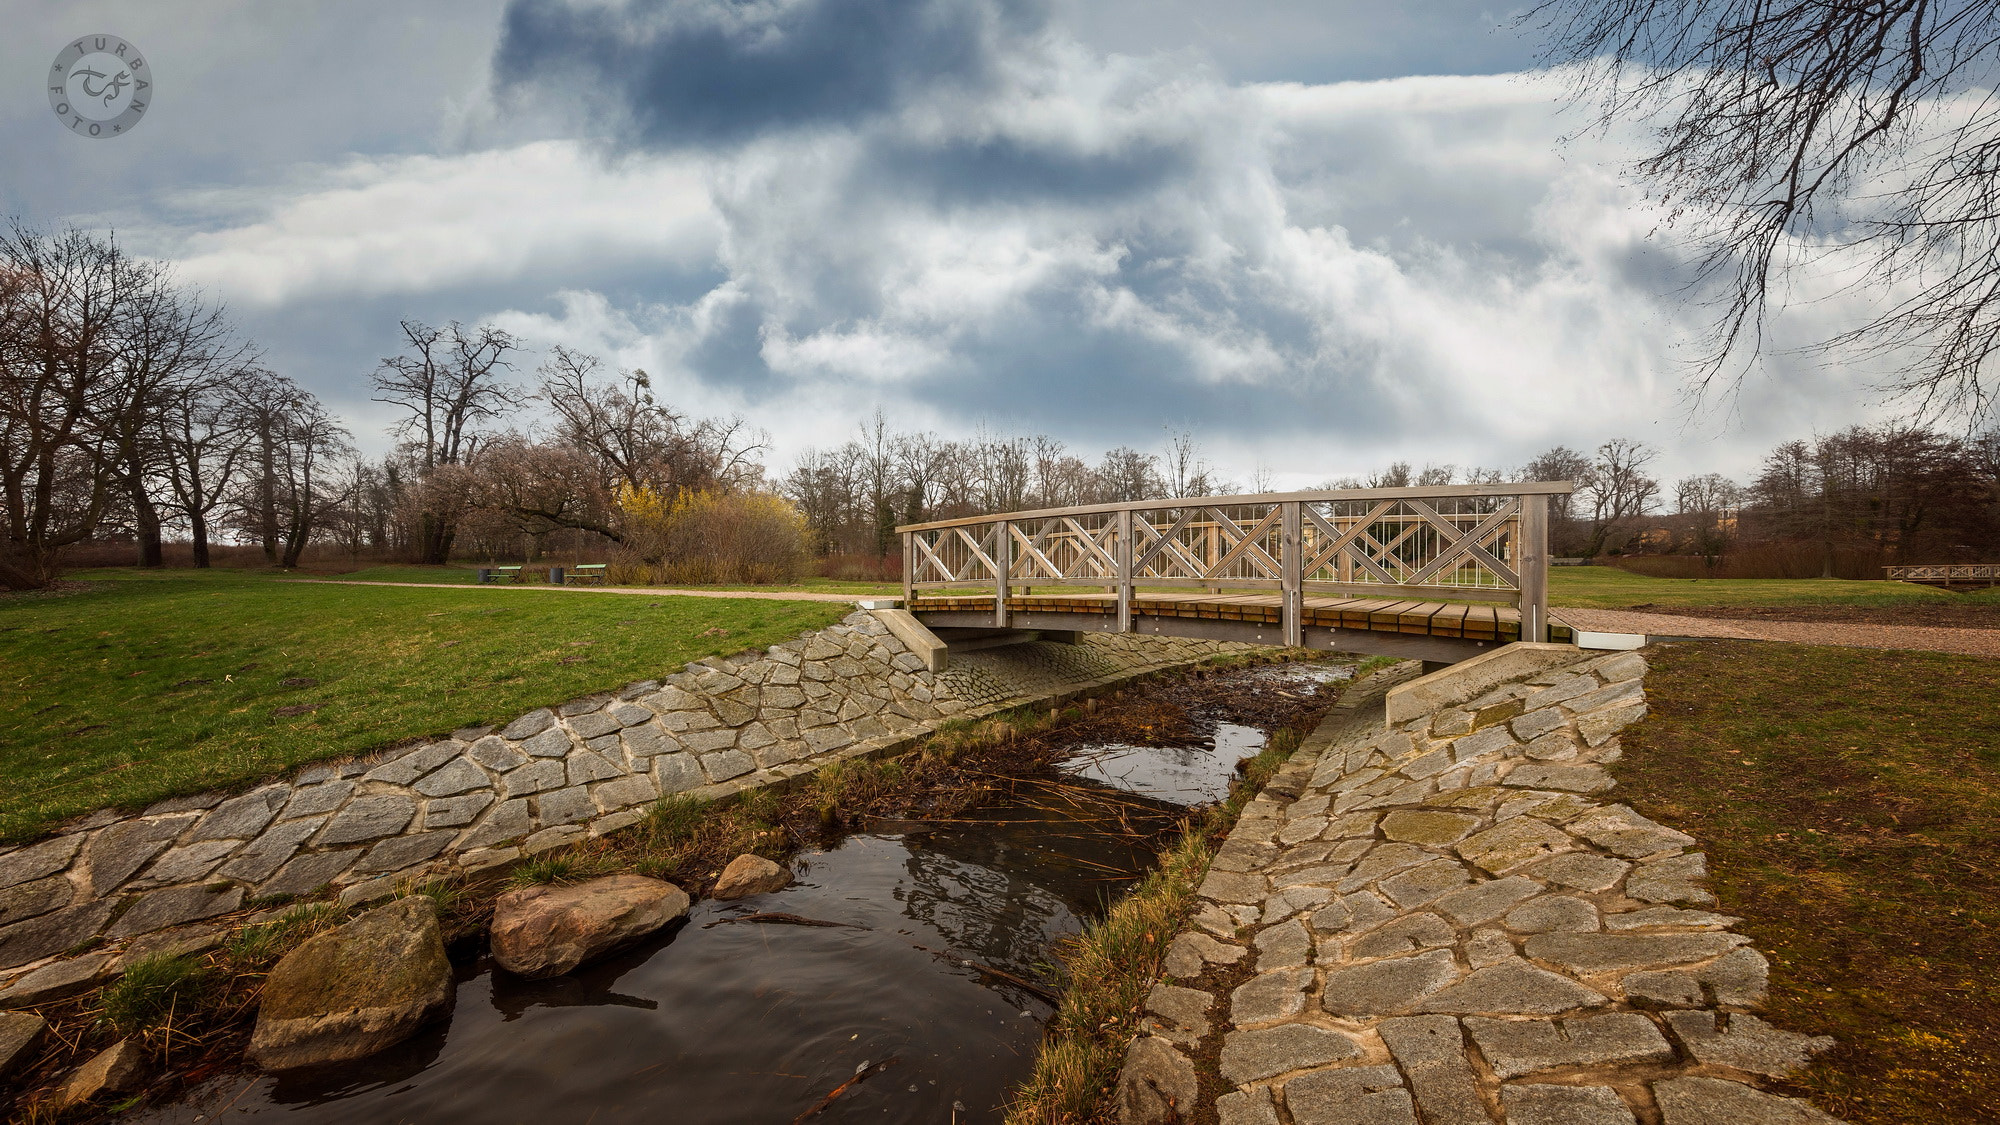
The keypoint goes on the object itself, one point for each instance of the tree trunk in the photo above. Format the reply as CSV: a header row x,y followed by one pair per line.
x,y
267,490
198,531
435,544
146,526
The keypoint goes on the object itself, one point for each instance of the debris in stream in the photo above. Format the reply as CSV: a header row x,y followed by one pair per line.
x,y
860,1076
1023,983
779,917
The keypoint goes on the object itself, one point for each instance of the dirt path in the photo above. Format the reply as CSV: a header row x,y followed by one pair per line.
x,y
647,591
1968,642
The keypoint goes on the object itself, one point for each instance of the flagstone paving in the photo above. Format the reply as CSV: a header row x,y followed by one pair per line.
x,y
1453,922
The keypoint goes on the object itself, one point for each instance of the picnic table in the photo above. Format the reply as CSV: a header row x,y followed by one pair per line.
x,y
582,574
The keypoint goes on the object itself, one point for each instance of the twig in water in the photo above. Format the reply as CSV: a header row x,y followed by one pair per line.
x,y
1041,990
776,917
860,1076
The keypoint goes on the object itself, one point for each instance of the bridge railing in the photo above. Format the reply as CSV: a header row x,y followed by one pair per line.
x,y
1947,574
1458,543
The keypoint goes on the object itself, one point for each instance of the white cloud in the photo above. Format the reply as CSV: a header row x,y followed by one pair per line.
x,y
418,223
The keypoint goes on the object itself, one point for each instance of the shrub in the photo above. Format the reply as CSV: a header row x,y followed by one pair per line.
x,y
709,537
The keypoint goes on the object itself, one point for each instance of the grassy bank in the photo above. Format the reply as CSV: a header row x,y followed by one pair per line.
x,y
1110,967
1607,587
151,685
1848,801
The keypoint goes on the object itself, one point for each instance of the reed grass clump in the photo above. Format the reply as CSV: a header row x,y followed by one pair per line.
x,y
563,865
156,991
1108,970
261,945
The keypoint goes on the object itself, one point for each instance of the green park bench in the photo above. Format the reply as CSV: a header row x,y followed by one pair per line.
x,y
585,574
492,574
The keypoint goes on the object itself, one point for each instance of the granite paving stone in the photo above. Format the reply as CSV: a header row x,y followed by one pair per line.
x,y
1531,1104
1270,996
1248,1056
1355,1095
1520,1047
1431,1052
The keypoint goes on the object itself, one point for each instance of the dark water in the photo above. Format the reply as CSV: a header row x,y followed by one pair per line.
x,y
756,1023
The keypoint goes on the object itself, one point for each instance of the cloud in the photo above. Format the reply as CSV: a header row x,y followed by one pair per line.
x,y
972,220
708,71
421,223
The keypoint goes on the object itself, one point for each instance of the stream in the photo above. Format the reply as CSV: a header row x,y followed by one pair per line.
x,y
718,1022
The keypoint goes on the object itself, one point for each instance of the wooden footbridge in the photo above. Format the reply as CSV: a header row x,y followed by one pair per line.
x,y
1955,576
1436,574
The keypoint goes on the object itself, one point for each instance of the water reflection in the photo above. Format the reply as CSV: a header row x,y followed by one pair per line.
x,y
745,1022
753,1023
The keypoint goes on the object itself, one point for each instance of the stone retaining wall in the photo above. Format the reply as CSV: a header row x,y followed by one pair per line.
x,y
486,795
1445,921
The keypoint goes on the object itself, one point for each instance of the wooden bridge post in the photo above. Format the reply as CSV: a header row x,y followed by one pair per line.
x,y
1003,566
1291,553
1534,554
1125,570
909,570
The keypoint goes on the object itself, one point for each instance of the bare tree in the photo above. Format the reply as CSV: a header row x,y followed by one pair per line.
x,y
1127,474
313,441
1709,502
168,346
206,434
1792,132
1567,536
61,297
449,380
1397,475
1619,490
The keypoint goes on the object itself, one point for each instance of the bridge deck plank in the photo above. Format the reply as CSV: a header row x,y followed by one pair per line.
x,y
1479,622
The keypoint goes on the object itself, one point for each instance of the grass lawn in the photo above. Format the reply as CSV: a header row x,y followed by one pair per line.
x,y
1607,587
160,683
468,575
1848,801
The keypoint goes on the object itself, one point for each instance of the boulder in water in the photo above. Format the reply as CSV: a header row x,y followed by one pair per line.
x,y
750,875
547,930
352,991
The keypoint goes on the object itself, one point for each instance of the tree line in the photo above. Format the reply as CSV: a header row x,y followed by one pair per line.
x,y
132,410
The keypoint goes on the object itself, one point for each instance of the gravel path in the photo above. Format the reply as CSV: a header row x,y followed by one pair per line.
x,y
1967,642
648,591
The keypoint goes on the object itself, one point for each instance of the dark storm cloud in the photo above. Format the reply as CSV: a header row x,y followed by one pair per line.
x,y
673,72
1013,170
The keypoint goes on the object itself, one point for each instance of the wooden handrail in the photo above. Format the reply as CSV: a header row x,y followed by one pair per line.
x,y
1428,492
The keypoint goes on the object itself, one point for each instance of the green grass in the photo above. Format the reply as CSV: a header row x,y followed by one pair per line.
x,y
1607,587
463,575
154,991
1848,801
154,684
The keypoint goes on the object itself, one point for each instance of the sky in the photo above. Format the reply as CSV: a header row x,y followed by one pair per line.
x,y
1320,236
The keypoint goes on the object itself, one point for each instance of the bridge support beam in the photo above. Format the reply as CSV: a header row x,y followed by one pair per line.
x,y
1534,555
1125,571
1292,583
